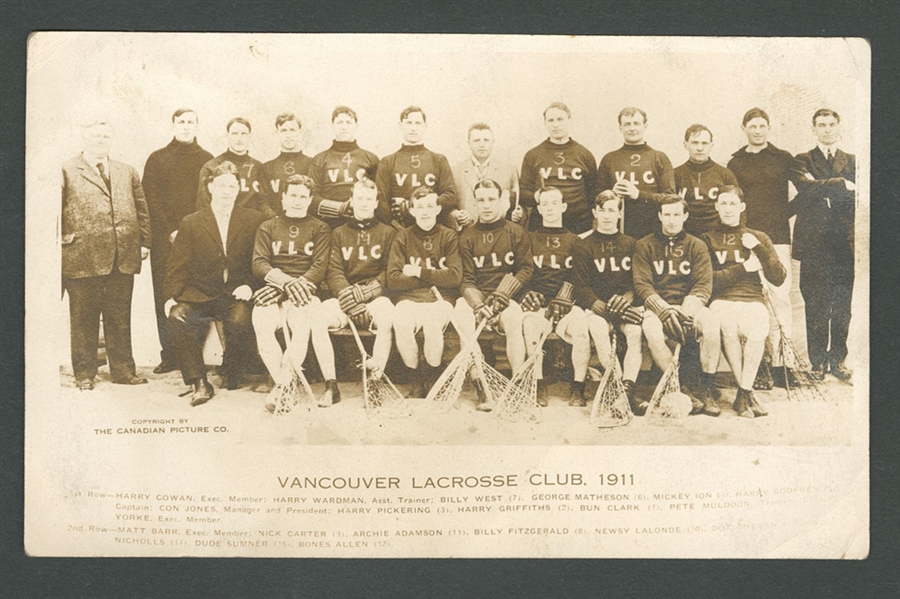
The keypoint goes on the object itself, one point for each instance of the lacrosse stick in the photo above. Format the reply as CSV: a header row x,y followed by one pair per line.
x,y
668,403
292,390
611,407
518,401
380,395
809,387
470,358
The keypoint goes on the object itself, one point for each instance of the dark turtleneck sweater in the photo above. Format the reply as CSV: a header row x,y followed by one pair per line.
x,y
603,267
699,185
277,171
572,169
252,181
437,252
673,267
411,167
651,171
296,246
334,172
359,253
731,281
491,250
170,185
552,251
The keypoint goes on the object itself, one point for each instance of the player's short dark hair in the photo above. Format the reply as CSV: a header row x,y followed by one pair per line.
x,y
225,168
478,127
238,119
286,117
673,198
365,182
411,109
631,111
540,193
754,113
731,189
606,196
697,129
182,111
488,184
339,110
825,112
421,192
298,180
558,106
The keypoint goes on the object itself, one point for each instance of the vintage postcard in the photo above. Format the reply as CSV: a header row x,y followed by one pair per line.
x,y
294,295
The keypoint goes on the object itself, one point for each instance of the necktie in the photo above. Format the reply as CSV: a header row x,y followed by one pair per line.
x,y
830,157
104,176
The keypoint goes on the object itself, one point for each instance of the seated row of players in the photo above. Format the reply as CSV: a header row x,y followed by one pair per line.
x,y
226,259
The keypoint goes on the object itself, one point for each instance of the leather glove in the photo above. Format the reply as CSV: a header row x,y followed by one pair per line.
x,y
617,304
400,209
347,300
300,291
364,293
632,315
497,302
508,287
483,312
266,296
562,303
533,301
672,324
361,316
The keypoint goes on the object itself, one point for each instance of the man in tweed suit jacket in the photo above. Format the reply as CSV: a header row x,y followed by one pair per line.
x,y
105,234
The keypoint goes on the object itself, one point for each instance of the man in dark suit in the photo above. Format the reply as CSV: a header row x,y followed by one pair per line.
x,y
105,234
170,183
209,277
825,206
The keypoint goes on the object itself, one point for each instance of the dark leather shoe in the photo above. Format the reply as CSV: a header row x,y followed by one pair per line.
x,y
164,367
85,384
203,392
841,372
131,380
818,373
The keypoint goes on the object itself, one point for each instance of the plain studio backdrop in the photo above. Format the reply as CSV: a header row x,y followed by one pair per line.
x,y
136,81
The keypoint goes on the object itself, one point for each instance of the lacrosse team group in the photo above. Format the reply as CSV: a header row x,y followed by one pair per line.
x,y
616,255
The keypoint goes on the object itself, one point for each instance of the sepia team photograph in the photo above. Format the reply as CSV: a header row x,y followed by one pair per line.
x,y
352,253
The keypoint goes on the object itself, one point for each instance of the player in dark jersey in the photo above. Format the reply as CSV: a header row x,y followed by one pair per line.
x,y
497,263
411,167
605,290
357,274
252,193
699,180
423,255
551,289
638,173
291,256
291,160
738,255
673,278
335,171
764,173
560,161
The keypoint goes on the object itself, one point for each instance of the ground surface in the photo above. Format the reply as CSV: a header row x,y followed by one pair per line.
x,y
242,411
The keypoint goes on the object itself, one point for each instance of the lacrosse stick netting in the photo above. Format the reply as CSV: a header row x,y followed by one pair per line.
x,y
668,404
611,407
292,393
518,401
380,396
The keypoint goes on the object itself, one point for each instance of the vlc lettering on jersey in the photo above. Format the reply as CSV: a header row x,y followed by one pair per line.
x,y
713,193
429,265
363,253
292,249
669,267
601,264
244,186
722,256
646,176
334,173
553,262
430,179
508,258
574,173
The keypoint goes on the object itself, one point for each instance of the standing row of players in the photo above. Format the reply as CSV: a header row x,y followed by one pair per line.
x,y
643,177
